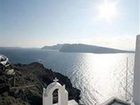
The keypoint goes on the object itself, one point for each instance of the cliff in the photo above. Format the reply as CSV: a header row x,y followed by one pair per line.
x,y
83,48
25,87
54,47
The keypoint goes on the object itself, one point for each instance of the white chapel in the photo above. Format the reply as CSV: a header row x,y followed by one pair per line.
x,y
62,94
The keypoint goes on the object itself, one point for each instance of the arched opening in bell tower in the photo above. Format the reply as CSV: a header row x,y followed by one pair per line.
x,y
55,96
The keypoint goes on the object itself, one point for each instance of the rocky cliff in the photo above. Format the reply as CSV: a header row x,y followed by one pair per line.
x,y
25,87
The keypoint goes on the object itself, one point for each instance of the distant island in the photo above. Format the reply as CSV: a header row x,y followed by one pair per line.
x,y
84,48
54,47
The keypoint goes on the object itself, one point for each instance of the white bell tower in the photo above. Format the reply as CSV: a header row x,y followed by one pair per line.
x,y
48,94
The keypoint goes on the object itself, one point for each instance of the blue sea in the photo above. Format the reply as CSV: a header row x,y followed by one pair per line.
x,y
98,76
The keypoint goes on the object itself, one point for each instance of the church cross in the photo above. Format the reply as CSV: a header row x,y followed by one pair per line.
x,y
55,80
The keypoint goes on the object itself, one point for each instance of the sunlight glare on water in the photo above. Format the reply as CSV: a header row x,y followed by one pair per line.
x,y
98,76
103,76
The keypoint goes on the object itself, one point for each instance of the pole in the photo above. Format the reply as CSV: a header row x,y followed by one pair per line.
x,y
126,79
137,73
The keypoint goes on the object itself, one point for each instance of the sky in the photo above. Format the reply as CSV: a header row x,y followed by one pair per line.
x,y
35,23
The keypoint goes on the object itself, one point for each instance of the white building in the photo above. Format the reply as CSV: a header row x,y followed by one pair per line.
x,y
3,60
137,73
62,95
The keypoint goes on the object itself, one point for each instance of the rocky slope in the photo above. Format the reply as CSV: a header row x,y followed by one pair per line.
x,y
25,88
54,47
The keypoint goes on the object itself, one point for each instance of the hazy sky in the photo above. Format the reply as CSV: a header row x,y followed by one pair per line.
x,y
35,23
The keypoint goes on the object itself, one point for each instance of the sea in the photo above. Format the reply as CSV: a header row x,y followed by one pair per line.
x,y
99,76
